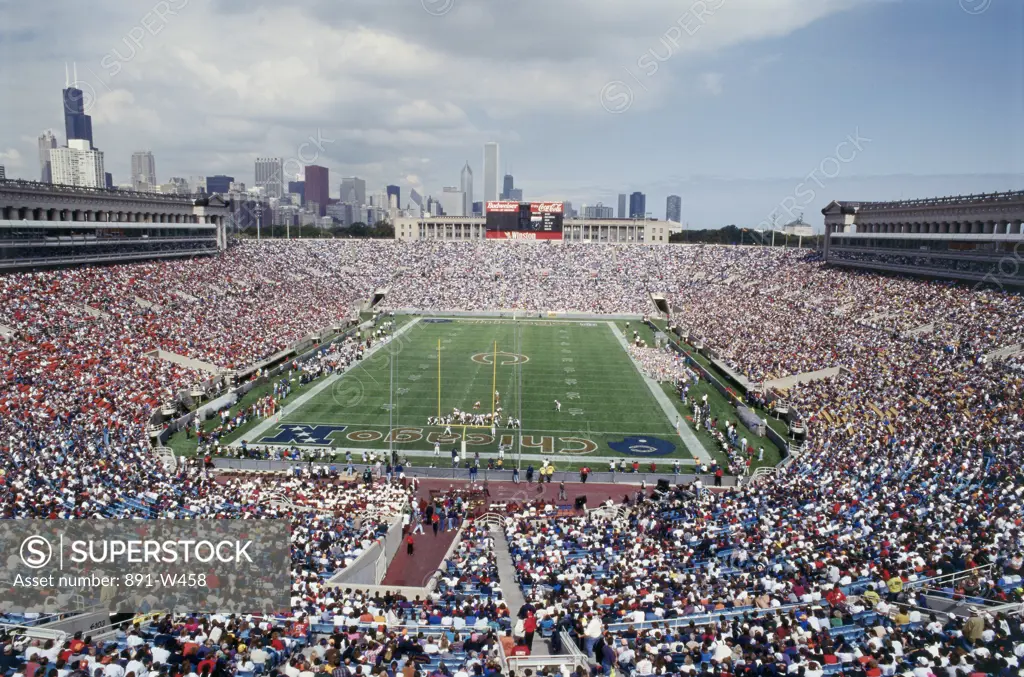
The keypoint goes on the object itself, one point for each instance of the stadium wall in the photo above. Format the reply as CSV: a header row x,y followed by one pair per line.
x,y
519,314
595,477
369,568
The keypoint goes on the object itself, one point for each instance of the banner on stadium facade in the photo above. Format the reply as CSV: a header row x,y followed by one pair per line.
x,y
522,235
508,206
546,207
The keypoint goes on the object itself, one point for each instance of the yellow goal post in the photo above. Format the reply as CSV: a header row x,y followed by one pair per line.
x,y
494,387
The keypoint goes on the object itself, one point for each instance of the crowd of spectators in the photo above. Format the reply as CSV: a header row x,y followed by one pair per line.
x,y
911,470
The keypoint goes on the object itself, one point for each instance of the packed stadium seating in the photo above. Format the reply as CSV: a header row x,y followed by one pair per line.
x,y
911,472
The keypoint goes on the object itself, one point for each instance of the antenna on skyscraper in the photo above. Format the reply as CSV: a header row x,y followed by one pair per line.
x,y
67,81
74,66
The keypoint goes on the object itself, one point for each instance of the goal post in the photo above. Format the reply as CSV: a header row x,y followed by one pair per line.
x,y
494,385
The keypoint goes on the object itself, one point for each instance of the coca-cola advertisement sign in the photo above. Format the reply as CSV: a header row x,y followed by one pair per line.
x,y
546,207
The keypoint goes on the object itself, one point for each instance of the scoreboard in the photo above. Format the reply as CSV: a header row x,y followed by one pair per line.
x,y
524,220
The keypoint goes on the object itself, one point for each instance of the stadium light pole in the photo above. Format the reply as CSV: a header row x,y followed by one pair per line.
x,y
391,400
519,391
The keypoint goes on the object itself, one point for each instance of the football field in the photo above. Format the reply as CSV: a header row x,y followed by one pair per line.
x,y
435,365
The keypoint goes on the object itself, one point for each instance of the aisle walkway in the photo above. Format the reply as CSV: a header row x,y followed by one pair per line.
x,y
428,553
510,588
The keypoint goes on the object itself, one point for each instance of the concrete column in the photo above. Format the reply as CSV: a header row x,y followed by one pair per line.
x,y
990,227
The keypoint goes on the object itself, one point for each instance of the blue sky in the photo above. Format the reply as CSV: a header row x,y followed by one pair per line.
x,y
744,105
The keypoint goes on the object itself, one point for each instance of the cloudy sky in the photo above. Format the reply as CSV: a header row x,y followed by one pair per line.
x,y
745,108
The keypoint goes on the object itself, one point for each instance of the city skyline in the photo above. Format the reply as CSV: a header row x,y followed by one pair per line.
x,y
629,109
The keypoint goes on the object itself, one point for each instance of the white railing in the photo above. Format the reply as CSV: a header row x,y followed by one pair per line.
x,y
950,580
32,632
491,519
761,473
167,458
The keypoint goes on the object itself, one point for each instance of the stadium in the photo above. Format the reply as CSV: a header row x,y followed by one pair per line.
x,y
500,456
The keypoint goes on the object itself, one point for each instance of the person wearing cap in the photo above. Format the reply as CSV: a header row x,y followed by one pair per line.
x,y
974,627
8,660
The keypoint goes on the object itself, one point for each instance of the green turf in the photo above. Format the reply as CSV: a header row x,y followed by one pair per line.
x,y
781,427
582,364
721,409
184,445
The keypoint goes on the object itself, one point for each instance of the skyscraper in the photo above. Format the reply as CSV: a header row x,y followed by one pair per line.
x,y
598,211
353,190
453,201
197,184
317,187
299,188
637,205
77,125
47,142
397,193
109,179
416,199
490,171
143,170
78,165
176,186
515,194
3,173
269,175
622,205
466,184
507,186
674,208
219,184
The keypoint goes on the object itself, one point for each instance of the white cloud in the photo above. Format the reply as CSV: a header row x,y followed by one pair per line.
x,y
11,159
225,81
712,83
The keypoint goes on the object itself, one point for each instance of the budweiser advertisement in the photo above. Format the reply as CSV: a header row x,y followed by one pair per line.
x,y
503,206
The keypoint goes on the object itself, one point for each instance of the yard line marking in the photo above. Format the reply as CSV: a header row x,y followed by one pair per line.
x,y
689,439
257,431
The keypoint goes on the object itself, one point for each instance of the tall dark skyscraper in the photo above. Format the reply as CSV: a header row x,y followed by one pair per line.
x,y
77,125
298,187
108,178
219,184
637,205
317,182
507,186
397,192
